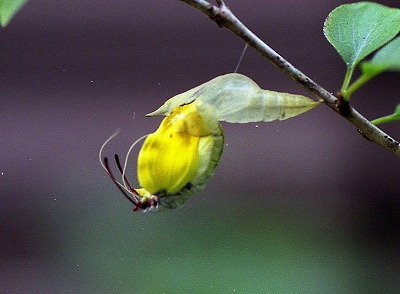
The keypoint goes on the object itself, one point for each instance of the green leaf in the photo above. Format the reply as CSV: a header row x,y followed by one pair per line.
x,y
386,59
358,29
8,8
392,117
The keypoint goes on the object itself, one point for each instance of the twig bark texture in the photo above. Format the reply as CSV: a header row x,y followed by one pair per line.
x,y
222,15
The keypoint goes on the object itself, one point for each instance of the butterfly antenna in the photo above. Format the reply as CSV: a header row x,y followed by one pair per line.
x,y
126,161
106,166
125,180
116,132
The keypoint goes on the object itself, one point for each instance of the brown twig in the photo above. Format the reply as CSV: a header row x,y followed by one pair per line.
x,y
223,16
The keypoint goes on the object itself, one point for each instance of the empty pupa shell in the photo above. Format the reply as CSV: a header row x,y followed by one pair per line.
x,y
235,98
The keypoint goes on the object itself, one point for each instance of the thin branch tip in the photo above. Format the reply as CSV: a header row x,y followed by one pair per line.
x,y
221,3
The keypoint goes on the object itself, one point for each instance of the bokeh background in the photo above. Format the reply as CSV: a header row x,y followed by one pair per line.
x,y
300,206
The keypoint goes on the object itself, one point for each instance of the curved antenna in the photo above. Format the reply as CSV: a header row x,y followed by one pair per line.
x,y
133,200
129,187
128,193
126,184
116,132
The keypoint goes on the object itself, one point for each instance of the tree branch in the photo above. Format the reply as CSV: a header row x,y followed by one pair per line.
x,y
221,14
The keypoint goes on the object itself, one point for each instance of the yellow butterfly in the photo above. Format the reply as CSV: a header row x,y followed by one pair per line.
x,y
176,160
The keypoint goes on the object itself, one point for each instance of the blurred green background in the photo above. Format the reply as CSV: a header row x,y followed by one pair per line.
x,y
301,206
